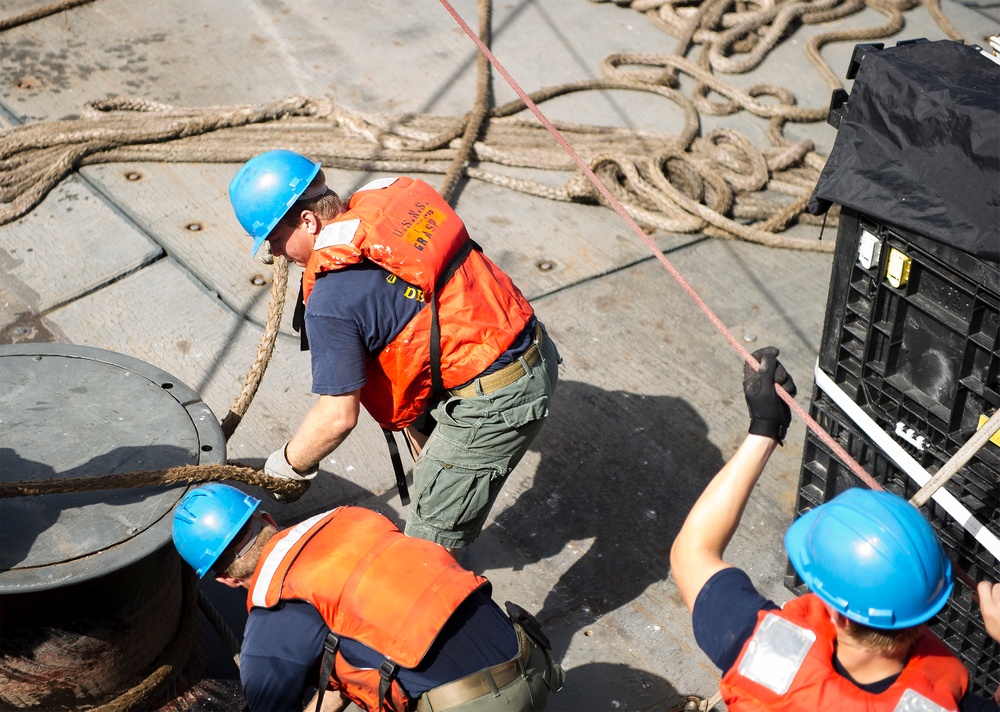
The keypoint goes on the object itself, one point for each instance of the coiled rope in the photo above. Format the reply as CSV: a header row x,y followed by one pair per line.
x,y
714,184
719,184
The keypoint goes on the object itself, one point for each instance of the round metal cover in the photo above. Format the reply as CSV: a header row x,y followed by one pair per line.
x,y
72,411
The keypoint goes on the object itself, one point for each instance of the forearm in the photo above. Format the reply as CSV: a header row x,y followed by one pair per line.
x,y
324,428
698,549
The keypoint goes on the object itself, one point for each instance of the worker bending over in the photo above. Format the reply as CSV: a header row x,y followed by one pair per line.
x,y
406,316
876,572
391,622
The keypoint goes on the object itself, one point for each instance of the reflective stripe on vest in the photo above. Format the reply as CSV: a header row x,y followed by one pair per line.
x,y
932,675
913,701
269,565
775,653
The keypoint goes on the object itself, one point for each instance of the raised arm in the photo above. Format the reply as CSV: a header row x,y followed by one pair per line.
x,y
696,554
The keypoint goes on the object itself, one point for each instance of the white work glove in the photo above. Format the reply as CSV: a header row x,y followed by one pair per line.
x,y
277,466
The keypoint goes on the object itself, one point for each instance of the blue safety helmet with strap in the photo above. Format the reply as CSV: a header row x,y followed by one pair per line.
x,y
264,189
206,519
873,557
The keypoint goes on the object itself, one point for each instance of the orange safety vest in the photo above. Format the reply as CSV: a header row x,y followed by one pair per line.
x,y
404,226
370,583
932,672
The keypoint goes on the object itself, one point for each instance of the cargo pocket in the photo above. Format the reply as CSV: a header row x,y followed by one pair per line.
x,y
520,415
456,495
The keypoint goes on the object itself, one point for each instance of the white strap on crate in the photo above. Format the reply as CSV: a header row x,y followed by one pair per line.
x,y
906,463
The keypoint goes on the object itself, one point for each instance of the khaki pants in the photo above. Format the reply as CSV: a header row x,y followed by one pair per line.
x,y
475,445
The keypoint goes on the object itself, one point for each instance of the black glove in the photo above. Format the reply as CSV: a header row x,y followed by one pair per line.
x,y
769,415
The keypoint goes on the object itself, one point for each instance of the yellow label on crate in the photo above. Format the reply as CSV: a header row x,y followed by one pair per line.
x,y
897,268
996,436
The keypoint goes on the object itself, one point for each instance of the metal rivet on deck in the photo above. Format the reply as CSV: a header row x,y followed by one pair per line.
x,y
133,175
194,227
258,280
545,265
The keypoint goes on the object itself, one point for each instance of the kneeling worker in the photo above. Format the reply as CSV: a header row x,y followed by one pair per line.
x,y
391,622
877,573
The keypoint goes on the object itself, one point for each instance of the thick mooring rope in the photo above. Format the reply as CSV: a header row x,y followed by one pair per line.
x,y
667,182
185,474
171,660
720,184
39,12
279,289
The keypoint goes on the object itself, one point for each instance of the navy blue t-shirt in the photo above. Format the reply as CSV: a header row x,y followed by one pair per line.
x,y
725,616
282,648
353,313
356,312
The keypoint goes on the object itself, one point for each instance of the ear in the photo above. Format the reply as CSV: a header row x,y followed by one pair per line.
x,y
839,620
310,221
835,617
229,581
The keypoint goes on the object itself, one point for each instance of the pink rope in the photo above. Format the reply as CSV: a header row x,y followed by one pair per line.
x,y
824,436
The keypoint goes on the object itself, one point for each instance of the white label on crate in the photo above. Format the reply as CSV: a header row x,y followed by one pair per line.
x,y
869,249
910,435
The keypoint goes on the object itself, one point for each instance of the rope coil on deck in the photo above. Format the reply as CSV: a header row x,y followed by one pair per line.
x,y
720,184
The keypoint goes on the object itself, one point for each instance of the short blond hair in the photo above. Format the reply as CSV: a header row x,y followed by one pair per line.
x,y
896,644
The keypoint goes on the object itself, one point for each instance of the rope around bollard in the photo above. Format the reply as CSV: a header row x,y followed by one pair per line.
x,y
186,474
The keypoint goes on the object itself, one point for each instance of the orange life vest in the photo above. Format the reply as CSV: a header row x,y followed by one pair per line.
x,y
404,226
370,583
932,672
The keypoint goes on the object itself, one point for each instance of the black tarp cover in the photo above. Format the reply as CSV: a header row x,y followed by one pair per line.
x,y
919,145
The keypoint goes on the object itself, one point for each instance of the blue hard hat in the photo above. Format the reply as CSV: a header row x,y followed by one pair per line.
x,y
264,189
206,519
873,557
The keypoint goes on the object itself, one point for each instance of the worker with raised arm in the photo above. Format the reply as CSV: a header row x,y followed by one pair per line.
x,y
404,315
344,601
876,571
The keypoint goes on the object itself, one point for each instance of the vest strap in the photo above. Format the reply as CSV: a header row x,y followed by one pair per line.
x,y
330,646
387,673
299,319
437,385
397,467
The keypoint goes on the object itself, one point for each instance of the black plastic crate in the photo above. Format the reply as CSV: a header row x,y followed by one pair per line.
x,y
921,356
823,477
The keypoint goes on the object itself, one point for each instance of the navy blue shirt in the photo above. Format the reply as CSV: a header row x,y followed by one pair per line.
x,y
353,313
725,616
282,647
